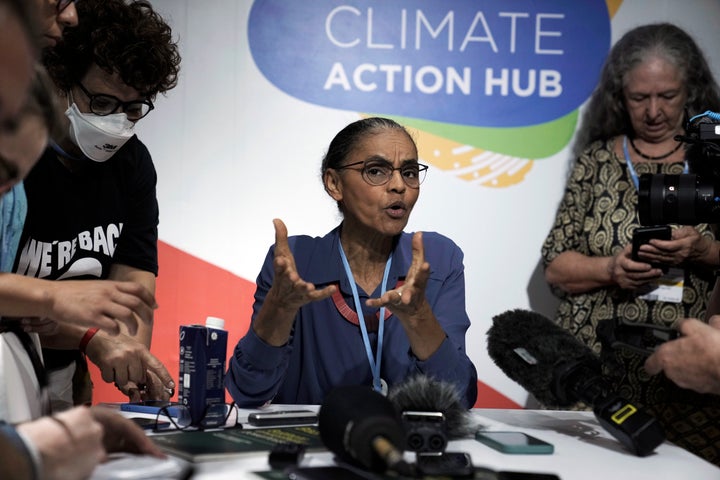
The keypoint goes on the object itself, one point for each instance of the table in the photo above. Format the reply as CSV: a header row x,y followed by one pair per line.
x,y
583,450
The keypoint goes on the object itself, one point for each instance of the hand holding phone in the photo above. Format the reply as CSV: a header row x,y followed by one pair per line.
x,y
643,235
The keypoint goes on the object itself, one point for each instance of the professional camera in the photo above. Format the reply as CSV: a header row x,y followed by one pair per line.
x,y
690,198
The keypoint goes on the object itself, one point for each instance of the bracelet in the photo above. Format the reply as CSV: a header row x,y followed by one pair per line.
x,y
86,338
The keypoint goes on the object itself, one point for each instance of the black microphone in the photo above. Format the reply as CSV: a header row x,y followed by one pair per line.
x,y
559,371
362,428
431,413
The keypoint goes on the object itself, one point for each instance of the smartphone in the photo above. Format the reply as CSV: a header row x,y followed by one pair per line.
x,y
507,475
287,417
643,235
446,464
514,442
149,423
152,406
333,472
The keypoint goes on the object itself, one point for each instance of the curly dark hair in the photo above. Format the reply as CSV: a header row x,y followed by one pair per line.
x,y
127,38
606,115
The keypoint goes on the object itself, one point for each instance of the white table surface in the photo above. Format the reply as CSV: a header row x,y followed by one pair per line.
x,y
583,450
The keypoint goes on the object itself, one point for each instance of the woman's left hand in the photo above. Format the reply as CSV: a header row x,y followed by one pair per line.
x,y
409,299
409,305
686,245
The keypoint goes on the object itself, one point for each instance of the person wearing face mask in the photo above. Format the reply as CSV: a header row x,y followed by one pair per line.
x,y
92,207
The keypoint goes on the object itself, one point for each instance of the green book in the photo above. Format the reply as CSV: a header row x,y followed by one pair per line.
x,y
203,446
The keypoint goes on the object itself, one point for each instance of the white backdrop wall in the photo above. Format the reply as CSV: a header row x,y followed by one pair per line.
x,y
233,151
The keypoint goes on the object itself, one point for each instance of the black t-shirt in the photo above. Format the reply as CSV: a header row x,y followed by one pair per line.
x,y
82,220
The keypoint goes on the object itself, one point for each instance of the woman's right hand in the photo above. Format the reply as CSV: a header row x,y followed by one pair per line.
x,y
629,274
287,294
289,291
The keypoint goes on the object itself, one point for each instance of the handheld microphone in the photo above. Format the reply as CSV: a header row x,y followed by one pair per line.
x,y
431,412
362,428
558,370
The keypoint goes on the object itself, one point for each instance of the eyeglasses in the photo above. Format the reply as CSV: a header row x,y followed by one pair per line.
x,y
215,415
378,173
62,5
102,105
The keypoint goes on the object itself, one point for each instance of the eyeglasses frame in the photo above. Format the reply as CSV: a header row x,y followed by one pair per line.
x,y
120,103
196,425
353,166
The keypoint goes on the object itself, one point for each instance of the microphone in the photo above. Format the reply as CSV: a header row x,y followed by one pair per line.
x,y
362,428
431,412
559,371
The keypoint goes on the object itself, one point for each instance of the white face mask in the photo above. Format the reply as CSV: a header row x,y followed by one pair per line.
x,y
98,137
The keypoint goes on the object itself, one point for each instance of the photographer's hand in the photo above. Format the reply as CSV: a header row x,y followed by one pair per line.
x,y
693,360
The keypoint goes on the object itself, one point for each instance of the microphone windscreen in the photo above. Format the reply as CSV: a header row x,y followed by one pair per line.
x,y
529,348
426,394
351,417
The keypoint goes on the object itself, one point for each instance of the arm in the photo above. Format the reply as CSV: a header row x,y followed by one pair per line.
x,y
432,312
573,264
410,305
259,361
124,359
288,292
69,444
72,443
574,272
87,303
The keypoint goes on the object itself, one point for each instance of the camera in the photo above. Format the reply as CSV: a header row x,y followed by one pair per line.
x,y
689,198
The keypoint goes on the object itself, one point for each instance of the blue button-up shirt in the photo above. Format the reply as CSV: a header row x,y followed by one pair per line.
x,y
325,350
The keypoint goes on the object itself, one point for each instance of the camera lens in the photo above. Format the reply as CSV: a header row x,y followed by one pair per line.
x,y
683,199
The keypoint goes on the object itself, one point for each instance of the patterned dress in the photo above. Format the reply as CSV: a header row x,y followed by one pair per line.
x,y
596,217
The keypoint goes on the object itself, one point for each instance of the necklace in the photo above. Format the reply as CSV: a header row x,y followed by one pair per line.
x,y
659,157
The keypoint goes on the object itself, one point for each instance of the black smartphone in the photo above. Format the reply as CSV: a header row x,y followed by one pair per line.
x,y
514,442
149,423
446,464
333,472
507,475
287,417
643,235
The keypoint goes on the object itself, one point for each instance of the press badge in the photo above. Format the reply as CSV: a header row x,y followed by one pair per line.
x,y
668,288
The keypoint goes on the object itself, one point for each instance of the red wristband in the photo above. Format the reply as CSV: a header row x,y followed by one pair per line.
x,y
86,338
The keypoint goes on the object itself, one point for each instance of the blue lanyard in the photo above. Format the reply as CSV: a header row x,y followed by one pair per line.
x,y
631,169
374,362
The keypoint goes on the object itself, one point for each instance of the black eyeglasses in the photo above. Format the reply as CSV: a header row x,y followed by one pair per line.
x,y
215,415
378,173
102,105
63,4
